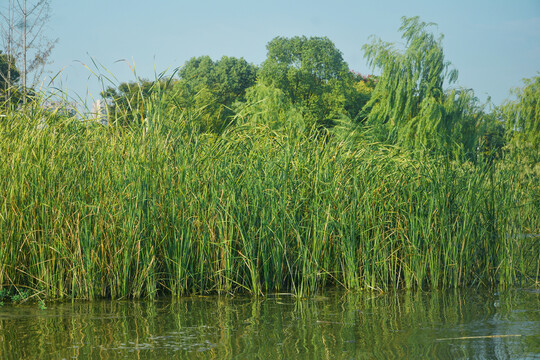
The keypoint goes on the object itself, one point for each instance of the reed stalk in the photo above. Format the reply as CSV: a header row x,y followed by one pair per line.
x,y
88,211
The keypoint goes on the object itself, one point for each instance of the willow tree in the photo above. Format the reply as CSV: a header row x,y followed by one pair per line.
x,y
522,117
409,106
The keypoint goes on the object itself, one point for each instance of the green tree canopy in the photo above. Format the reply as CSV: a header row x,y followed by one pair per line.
x,y
6,65
270,107
357,92
129,102
311,72
409,105
522,116
208,88
9,77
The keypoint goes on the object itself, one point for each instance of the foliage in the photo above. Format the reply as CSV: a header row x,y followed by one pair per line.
x,y
357,92
7,63
128,103
311,72
269,107
522,119
14,295
9,78
92,211
491,142
173,199
409,106
229,76
208,89
460,129
41,305
26,42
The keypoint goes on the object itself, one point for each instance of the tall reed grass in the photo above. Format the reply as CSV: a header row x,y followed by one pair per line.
x,y
88,211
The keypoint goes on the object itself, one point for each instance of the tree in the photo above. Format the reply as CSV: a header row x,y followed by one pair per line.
x,y
357,92
270,107
7,65
491,136
24,40
129,102
208,89
407,105
308,71
9,76
522,118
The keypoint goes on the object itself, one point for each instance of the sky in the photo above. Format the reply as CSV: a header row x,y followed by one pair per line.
x,y
493,44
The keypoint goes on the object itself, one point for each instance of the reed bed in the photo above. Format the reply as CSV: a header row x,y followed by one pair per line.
x,y
88,211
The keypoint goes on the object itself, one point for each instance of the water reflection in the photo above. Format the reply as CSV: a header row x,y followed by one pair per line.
x,y
336,326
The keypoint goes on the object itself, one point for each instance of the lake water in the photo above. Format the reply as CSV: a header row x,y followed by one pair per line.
x,y
464,324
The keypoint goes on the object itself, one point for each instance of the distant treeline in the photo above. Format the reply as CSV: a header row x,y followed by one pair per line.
x,y
305,83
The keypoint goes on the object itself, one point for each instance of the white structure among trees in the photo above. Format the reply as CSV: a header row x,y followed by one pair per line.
x,y
99,112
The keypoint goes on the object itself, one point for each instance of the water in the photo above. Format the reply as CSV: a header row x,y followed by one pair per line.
x,y
466,324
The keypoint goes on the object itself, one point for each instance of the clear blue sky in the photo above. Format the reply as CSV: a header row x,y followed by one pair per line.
x,y
493,43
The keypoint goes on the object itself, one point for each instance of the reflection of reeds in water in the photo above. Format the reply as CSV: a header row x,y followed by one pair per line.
x,y
91,211
395,325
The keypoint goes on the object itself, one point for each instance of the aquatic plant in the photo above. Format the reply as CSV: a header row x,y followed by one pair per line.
x,y
90,211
